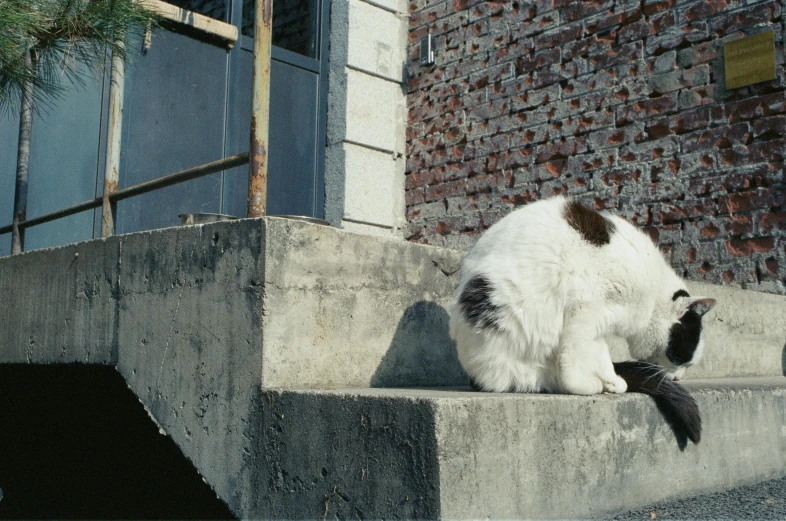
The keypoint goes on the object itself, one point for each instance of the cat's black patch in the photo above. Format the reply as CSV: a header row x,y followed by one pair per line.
x,y
674,401
476,303
680,293
684,338
593,227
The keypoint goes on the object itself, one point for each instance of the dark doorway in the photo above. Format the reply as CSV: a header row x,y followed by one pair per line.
x,y
75,443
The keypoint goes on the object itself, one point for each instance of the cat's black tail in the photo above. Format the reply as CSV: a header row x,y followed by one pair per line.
x,y
673,400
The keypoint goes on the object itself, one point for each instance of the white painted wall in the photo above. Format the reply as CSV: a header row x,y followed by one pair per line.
x,y
367,117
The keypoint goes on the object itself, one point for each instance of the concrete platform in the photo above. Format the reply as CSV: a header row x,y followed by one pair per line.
x,y
306,299
426,453
232,333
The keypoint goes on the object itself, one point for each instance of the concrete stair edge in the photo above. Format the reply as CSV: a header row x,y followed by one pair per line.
x,y
518,455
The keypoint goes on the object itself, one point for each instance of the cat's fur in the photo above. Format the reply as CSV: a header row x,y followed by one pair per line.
x,y
543,288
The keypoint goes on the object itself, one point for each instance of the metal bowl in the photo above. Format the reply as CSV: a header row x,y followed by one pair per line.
x,y
201,218
312,220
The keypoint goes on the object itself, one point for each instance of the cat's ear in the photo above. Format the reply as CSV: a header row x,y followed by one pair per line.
x,y
701,305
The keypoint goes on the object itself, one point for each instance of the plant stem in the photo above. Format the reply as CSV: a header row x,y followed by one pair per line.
x,y
23,162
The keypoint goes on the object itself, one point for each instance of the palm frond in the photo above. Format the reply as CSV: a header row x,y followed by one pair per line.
x,y
66,38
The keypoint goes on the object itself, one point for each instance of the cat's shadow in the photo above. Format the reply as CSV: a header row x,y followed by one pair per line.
x,y
421,353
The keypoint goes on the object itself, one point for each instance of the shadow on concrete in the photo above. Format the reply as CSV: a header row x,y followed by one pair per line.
x,y
75,443
783,360
421,353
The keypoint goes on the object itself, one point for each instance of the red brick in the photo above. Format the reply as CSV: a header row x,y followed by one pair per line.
x,y
771,266
749,201
710,231
769,221
745,247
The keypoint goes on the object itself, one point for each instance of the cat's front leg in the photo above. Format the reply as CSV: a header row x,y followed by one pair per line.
x,y
584,364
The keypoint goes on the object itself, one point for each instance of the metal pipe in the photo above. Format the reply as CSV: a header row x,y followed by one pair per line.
x,y
23,162
182,176
142,188
114,133
258,161
57,214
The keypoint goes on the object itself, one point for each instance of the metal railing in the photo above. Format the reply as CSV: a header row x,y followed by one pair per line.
x,y
131,191
256,158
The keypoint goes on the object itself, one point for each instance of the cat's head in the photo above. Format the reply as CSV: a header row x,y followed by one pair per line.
x,y
674,339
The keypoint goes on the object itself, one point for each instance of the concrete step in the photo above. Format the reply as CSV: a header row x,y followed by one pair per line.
x,y
210,324
458,454
304,297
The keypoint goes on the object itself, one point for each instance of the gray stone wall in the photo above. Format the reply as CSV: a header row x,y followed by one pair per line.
x,y
621,104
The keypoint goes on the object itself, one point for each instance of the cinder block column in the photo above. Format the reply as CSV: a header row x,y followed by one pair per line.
x,y
364,174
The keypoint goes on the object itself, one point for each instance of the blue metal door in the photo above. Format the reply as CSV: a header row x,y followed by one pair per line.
x,y
190,103
298,108
187,102
173,119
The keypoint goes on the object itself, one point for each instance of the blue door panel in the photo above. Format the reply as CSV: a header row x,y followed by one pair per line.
x,y
293,139
293,135
64,163
174,119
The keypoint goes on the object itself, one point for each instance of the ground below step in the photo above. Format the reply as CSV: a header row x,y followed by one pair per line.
x,y
766,500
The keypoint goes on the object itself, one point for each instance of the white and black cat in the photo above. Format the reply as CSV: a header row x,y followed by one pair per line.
x,y
543,288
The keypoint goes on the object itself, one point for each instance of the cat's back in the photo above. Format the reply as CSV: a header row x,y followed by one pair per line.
x,y
536,236
561,248
532,230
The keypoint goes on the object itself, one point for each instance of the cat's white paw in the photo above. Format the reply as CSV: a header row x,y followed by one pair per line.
x,y
615,385
585,385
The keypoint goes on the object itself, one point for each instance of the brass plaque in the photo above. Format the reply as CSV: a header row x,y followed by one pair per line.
x,y
750,60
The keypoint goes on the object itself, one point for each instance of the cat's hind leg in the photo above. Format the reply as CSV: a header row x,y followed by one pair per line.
x,y
494,362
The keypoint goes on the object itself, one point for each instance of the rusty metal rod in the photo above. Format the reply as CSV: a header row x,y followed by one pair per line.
x,y
113,137
57,214
23,162
258,151
142,188
182,176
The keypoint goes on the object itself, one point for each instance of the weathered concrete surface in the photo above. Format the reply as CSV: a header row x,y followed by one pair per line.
x,y
513,455
309,297
745,333
59,305
560,456
344,455
190,337
344,309
326,297
210,325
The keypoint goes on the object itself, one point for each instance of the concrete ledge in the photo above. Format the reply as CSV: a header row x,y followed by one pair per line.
x,y
509,455
60,305
324,307
210,324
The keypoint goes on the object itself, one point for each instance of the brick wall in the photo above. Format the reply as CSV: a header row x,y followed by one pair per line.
x,y
620,104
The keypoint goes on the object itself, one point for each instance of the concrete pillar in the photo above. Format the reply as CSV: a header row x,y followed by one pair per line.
x,y
365,163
